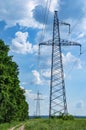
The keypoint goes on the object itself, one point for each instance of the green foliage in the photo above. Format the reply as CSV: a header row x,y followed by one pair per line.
x,y
13,105
65,117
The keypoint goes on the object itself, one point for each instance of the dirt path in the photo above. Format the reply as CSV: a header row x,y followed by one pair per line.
x,y
12,128
20,128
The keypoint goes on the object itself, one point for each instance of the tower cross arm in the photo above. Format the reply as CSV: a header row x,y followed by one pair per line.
x,y
47,43
62,43
70,43
66,24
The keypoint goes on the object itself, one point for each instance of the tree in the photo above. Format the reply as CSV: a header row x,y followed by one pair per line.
x,y
13,105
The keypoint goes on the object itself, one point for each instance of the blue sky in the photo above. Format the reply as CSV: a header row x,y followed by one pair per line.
x,y
22,27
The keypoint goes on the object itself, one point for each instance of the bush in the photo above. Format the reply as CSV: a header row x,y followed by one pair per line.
x,y
66,117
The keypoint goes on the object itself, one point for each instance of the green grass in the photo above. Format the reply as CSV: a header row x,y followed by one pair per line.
x,y
7,126
56,124
47,124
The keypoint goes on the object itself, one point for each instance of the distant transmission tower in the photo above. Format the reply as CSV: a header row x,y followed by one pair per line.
x,y
58,102
38,104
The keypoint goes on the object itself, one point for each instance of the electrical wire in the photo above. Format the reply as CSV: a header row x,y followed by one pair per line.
x,y
46,20
83,52
74,26
48,4
46,13
46,16
68,73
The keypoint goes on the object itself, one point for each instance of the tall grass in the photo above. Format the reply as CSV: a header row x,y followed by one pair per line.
x,y
7,126
47,124
56,124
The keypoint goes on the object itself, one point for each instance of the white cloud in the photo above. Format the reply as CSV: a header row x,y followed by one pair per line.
x,y
21,87
14,12
41,78
20,44
29,94
81,35
69,58
39,37
46,73
44,35
37,79
54,5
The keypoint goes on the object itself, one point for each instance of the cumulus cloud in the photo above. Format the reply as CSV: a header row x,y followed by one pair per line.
x,y
20,44
69,58
29,94
14,12
54,5
40,15
46,73
37,79
41,78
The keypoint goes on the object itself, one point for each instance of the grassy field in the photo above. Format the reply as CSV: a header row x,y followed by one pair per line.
x,y
56,124
48,124
7,126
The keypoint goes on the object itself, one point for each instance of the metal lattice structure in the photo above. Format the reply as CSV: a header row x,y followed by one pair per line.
x,y
58,102
38,104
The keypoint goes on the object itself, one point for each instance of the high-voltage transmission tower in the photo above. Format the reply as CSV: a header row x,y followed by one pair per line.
x,y
38,104
58,103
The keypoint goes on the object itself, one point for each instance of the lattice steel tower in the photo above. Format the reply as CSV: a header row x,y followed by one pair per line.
x,y
38,99
57,86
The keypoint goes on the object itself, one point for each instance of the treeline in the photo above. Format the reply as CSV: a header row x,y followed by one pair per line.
x,y
13,105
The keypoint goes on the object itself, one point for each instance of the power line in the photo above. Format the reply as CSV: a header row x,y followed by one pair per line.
x,y
74,26
48,4
43,28
84,51
48,7
72,68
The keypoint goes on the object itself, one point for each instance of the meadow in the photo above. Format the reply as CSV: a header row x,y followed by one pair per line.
x,y
8,126
56,124
47,124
